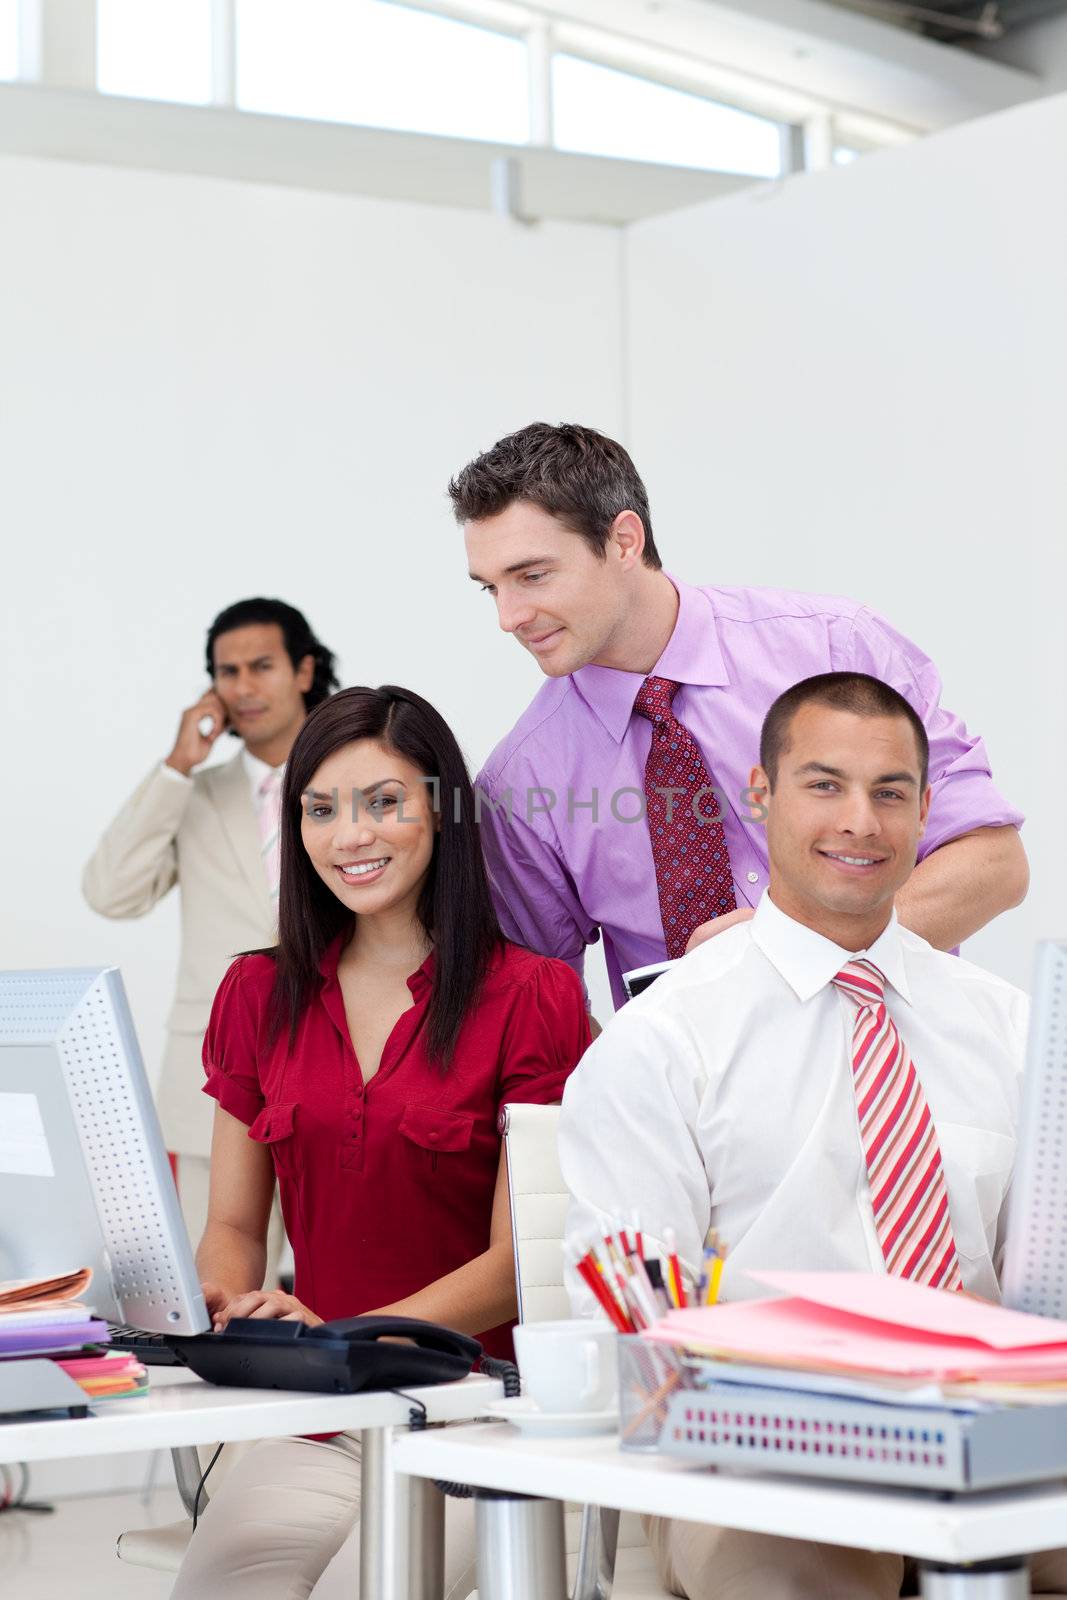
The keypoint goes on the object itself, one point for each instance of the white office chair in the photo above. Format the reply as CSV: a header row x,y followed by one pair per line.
x,y
538,1199
162,1549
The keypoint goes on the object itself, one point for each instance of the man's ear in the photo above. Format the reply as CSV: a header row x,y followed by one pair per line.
x,y
924,809
627,534
757,795
305,674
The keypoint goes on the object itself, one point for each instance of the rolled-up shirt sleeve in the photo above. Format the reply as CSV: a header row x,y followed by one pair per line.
x,y
231,1043
964,796
547,1035
536,900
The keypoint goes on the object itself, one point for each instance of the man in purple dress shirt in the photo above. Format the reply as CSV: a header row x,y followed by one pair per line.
x,y
558,531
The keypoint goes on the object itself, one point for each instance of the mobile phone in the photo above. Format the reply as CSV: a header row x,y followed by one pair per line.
x,y
641,978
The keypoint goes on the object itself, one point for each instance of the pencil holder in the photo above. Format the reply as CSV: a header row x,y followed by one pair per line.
x,y
649,1374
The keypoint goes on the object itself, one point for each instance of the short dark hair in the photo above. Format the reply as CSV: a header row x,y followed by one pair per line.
x,y
574,473
455,907
845,691
296,631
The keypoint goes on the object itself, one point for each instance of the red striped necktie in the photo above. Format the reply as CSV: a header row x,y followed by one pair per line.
x,y
907,1183
689,851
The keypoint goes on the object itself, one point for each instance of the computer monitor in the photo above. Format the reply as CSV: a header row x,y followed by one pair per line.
x,y
84,1175
1034,1271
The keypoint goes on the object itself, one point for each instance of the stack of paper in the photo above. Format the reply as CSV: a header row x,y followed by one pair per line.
x,y
43,1316
108,1377
883,1330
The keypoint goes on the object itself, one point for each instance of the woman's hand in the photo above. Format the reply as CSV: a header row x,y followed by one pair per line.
x,y
270,1304
216,1299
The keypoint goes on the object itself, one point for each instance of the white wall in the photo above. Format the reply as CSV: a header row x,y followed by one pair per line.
x,y
853,383
210,390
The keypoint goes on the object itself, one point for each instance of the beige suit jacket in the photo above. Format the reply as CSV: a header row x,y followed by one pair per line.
x,y
201,835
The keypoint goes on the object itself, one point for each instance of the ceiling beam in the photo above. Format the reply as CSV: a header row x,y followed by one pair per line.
x,y
848,61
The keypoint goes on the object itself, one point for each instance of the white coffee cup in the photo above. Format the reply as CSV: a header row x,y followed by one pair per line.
x,y
568,1366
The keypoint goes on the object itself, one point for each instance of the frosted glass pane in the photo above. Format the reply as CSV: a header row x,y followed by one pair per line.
x,y
154,49
9,38
385,65
603,112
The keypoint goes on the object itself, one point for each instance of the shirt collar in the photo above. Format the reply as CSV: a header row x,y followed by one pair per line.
x,y
420,981
808,961
255,769
692,655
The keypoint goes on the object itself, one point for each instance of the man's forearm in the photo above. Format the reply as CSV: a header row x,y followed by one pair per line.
x,y
963,885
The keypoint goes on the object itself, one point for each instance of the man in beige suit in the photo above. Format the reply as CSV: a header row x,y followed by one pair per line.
x,y
214,834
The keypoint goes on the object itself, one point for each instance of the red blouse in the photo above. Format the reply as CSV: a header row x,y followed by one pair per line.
x,y
387,1186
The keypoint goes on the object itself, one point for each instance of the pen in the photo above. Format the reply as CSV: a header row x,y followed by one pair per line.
x,y
654,1274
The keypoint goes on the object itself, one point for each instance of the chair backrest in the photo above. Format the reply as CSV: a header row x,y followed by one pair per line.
x,y
538,1199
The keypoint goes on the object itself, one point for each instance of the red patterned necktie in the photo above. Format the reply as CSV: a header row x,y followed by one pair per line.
x,y
899,1140
693,873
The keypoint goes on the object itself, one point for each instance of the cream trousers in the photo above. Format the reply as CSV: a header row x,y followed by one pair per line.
x,y
284,1525
707,1563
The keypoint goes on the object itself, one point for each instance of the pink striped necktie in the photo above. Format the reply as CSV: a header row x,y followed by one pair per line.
x,y
270,816
907,1183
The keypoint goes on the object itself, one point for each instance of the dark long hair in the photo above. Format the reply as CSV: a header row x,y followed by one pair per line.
x,y
454,906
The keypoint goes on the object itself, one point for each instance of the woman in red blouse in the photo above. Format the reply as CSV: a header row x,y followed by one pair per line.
x,y
362,1065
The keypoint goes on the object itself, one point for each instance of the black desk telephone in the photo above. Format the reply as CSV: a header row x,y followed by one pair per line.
x,y
340,1357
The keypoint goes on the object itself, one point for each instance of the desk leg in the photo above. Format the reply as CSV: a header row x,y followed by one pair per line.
x,y
985,1580
402,1527
521,1551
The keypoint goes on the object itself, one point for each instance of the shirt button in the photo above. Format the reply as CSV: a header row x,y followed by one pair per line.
x,y
753,877
433,1137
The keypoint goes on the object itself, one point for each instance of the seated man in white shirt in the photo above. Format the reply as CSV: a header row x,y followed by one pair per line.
x,y
761,1088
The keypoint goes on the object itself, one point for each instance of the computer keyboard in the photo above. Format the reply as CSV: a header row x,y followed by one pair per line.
x,y
154,1349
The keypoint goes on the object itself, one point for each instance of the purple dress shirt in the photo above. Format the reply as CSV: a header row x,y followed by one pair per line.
x,y
562,871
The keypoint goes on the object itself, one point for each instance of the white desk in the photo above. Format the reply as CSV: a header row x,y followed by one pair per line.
x,y
954,1531
180,1409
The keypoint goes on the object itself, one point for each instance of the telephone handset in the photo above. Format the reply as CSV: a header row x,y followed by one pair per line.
x,y
341,1357
425,1335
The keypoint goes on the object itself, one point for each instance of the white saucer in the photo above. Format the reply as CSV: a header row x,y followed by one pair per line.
x,y
524,1414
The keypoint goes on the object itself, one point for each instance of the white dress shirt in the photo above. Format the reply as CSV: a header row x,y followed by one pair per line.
x,y
722,1098
255,771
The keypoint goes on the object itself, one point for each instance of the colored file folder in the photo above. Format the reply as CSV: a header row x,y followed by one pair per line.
x,y
874,1325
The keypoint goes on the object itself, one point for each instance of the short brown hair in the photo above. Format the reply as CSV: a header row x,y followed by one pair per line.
x,y
574,473
845,691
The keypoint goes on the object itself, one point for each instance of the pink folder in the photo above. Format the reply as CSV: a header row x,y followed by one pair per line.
x,y
874,1324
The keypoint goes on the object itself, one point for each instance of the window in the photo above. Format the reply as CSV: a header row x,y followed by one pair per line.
x,y
382,64
603,112
9,38
154,49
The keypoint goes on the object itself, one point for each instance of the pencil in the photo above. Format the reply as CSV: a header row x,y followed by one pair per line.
x,y
603,1294
674,1271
